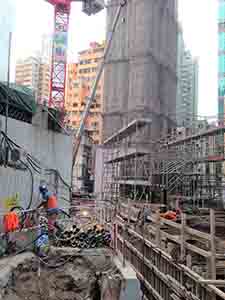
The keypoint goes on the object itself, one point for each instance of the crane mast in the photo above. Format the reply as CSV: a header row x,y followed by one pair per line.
x,y
59,55
60,45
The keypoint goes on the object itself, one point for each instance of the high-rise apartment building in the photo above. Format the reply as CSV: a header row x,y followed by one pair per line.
x,y
43,92
27,73
221,59
187,85
80,77
7,24
34,74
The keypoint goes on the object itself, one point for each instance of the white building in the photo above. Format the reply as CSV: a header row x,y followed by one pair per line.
x,y
46,49
7,23
27,72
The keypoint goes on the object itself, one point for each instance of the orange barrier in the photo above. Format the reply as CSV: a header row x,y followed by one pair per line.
x,y
10,222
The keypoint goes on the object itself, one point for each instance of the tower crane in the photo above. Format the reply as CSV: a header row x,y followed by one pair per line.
x,y
60,43
59,57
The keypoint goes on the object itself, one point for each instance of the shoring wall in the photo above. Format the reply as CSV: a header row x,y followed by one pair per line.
x,y
53,150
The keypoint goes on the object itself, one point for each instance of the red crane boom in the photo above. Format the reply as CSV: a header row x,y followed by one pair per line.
x,y
60,45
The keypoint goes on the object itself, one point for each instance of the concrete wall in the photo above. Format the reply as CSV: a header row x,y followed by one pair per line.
x,y
53,149
99,165
140,77
83,164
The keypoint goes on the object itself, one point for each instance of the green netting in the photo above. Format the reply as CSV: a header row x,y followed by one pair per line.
x,y
18,96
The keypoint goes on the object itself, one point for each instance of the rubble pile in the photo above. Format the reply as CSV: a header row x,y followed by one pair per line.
x,y
66,274
84,239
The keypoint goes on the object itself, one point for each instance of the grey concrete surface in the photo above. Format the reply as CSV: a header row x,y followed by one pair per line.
x,y
140,77
52,149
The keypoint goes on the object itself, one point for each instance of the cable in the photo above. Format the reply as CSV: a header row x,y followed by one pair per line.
x,y
32,161
55,266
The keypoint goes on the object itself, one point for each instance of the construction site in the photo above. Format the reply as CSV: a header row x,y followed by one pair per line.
x,y
154,227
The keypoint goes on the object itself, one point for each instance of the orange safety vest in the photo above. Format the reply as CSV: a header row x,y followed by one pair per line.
x,y
52,202
10,222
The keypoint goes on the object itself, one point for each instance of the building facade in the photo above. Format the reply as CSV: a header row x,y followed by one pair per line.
x,y
44,79
7,24
80,79
187,85
33,73
140,77
46,49
27,73
221,59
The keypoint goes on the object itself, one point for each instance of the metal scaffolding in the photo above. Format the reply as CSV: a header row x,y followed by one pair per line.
x,y
185,166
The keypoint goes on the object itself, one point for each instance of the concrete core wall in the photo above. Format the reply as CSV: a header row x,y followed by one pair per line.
x,y
140,76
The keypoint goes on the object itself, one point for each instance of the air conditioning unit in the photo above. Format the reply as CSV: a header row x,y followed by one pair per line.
x,y
91,7
12,158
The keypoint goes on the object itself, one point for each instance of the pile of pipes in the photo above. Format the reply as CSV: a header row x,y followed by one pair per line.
x,y
84,239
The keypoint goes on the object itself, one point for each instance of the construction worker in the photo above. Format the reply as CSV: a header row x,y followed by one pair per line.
x,y
50,204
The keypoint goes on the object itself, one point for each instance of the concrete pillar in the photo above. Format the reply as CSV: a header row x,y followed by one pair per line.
x,y
40,118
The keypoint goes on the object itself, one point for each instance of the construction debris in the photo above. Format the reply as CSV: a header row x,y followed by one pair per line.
x,y
79,276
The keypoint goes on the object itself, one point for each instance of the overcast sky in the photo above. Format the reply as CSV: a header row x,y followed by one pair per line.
x,y
199,18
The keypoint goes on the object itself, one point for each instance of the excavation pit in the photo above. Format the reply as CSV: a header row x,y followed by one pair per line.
x,y
67,274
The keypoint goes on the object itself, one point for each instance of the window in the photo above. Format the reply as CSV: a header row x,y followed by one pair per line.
x,y
74,123
95,125
75,104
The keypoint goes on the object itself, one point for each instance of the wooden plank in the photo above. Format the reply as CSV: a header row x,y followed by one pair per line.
x,y
220,283
198,278
158,225
188,271
212,244
183,238
177,240
168,280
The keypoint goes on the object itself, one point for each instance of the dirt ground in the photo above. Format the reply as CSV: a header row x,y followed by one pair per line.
x,y
66,275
